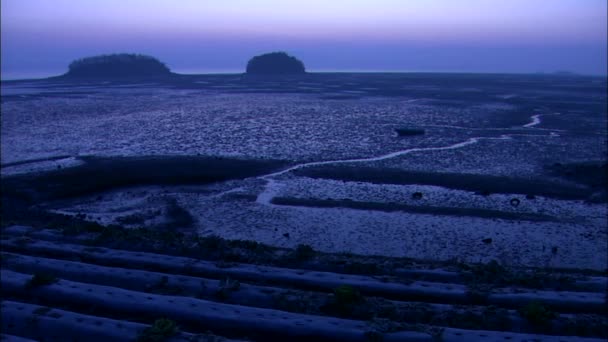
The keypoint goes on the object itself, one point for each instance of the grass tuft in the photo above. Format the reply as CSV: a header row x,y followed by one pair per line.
x,y
161,330
226,287
346,302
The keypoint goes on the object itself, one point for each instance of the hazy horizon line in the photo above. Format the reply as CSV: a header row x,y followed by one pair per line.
x,y
24,76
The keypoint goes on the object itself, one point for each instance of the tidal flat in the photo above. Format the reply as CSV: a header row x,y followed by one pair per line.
x,y
498,159
349,206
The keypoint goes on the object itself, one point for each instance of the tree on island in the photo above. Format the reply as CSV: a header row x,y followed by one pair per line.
x,y
117,66
275,63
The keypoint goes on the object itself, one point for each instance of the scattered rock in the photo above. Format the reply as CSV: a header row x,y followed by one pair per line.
x,y
515,202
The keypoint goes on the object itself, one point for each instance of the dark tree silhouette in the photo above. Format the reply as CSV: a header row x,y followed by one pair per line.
x,y
117,66
275,63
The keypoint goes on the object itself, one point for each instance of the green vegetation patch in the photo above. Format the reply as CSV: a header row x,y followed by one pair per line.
x,y
495,274
458,181
392,207
346,301
226,287
117,172
537,313
41,279
42,310
304,252
161,330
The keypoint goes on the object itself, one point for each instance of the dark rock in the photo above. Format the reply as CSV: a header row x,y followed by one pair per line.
x,y
275,63
417,195
286,235
530,197
406,132
483,193
487,241
515,202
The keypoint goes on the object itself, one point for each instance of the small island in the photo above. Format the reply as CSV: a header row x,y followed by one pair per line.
x,y
275,63
117,66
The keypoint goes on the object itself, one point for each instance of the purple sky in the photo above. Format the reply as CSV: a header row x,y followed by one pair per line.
x,y
41,37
